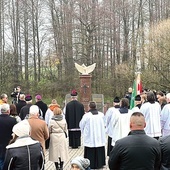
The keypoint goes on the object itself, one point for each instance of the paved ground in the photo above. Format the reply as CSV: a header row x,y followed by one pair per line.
x,y
72,154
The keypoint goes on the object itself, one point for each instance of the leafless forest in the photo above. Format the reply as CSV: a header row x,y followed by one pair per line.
x,y
40,40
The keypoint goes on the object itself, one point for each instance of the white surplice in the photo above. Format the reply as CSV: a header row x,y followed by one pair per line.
x,y
120,125
151,112
165,120
93,129
111,114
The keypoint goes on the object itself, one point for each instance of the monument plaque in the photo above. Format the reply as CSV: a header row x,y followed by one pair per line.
x,y
99,99
67,98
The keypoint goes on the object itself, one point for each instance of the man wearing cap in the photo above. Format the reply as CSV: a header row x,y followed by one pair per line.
x,y
109,128
73,113
6,125
43,106
25,109
137,104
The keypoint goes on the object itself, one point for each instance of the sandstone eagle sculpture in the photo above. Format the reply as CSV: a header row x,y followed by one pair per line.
x,y
85,70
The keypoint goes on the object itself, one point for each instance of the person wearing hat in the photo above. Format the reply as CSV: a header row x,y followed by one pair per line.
x,y
23,153
111,112
116,102
24,112
138,104
73,113
43,106
80,163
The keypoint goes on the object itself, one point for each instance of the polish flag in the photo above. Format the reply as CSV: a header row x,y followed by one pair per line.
x,y
138,84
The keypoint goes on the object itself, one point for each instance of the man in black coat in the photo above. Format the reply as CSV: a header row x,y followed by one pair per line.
x,y
24,112
43,106
136,151
73,113
6,125
165,150
20,103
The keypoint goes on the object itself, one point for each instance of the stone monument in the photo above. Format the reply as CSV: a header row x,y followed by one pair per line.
x,y
85,83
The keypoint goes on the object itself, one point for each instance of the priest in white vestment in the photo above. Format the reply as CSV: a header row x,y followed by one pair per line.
x,y
120,121
165,117
151,111
93,130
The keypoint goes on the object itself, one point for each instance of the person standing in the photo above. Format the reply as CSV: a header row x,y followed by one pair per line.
x,y
49,113
39,130
161,98
129,94
16,95
137,151
151,111
165,117
111,112
24,112
93,129
43,106
6,125
73,114
21,103
120,121
13,113
137,104
58,149
165,152
23,153
3,99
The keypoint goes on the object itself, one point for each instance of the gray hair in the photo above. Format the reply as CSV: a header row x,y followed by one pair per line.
x,y
34,110
5,108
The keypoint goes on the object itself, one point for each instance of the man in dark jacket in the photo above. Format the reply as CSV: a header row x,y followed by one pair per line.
x,y
73,114
24,112
21,103
6,125
165,150
136,151
43,106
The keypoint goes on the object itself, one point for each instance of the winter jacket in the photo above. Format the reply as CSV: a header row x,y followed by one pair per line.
x,y
24,154
135,152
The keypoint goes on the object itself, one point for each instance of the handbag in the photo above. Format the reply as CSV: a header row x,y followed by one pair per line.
x,y
63,130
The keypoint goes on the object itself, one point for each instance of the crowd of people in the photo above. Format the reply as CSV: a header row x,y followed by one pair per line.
x,y
138,138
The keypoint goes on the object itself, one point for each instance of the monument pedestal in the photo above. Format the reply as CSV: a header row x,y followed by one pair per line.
x,y
85,90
